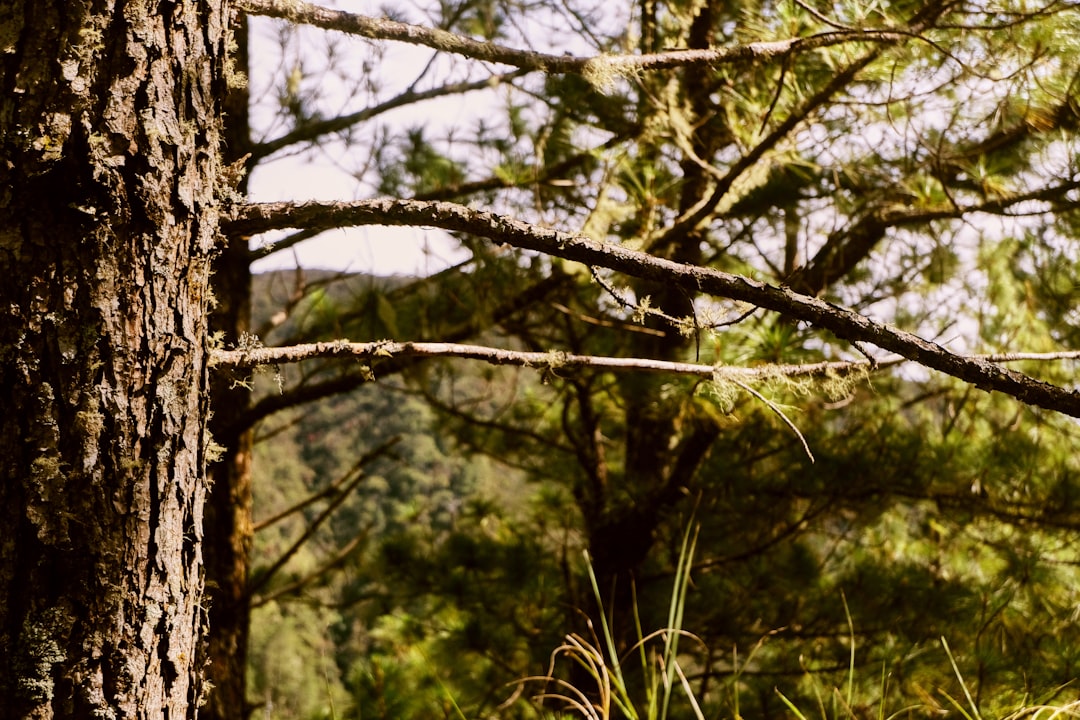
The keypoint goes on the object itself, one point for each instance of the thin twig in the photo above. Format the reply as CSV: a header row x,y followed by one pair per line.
x,y
600,67
358,467
296,586
776,409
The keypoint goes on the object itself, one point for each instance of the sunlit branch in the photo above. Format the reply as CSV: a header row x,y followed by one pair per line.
x,y
345,381
842,322
599,67
555,361
247,358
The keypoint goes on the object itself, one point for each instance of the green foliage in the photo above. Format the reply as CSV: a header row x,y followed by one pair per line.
x,y
292,670
922,182
417,167
662,675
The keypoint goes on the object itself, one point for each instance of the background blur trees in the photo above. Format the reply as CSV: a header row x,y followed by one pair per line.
x,y
913,163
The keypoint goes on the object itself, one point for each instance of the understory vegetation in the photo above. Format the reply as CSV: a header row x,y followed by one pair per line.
x,y
443,562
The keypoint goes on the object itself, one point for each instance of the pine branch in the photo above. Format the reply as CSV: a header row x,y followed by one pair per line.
x,y
311,131
844,249
601,67
699,214
842,322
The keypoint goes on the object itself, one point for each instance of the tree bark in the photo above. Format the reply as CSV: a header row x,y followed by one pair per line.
x,y
109,128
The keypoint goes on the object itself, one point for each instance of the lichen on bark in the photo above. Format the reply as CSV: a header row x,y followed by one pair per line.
x,y
109,160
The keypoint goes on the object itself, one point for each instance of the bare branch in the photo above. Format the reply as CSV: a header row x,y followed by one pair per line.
x,y
332,489
600,67
312,130
321,571
357,471
248,358
285,243
254,357
842,322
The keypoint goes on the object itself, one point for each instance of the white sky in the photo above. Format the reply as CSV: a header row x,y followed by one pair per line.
x,y
318,176
377,250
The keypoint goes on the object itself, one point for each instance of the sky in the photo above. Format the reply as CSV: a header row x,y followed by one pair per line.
x,y
375,250
320,175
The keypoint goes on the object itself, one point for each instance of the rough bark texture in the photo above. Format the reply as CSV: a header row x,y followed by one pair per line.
x,y
108,219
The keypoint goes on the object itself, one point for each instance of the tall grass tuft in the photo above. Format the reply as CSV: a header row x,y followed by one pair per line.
x,y
665,682
657,652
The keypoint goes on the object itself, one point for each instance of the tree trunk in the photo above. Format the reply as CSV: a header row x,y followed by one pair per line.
x,y
664,444
228,510
108,219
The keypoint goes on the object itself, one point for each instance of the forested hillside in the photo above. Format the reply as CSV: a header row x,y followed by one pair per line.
x,y
445,558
